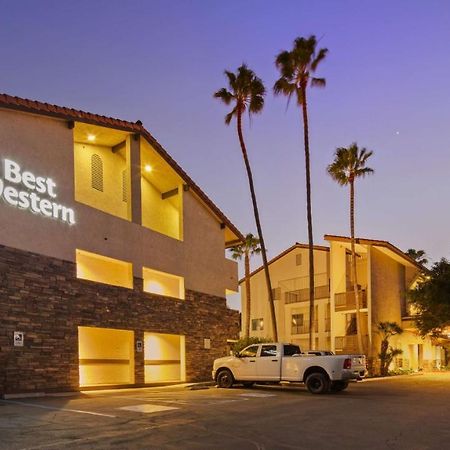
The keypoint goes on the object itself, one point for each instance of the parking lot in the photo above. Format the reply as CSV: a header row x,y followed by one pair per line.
x,y
405,412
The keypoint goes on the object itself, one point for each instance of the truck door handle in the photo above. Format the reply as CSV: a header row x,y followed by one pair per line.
x,y
252,360
274,360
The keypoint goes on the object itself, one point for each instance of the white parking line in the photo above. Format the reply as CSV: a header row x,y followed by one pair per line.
x,y
255,394
36,405
154,399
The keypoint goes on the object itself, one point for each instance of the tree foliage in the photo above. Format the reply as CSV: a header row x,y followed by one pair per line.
x,y
418,255
249,247
297,68
349,163
387,353
431,299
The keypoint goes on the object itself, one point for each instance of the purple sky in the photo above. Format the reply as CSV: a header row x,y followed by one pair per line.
x,y
388,88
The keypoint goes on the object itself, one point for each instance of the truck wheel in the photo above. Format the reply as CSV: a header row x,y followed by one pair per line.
x,y
318,383
338,386
248,384
225,378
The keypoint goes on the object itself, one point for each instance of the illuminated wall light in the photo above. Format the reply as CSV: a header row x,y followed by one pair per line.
x,y
91,137
155,288
148,168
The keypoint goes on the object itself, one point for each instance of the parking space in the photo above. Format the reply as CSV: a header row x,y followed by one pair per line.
x,y
405,412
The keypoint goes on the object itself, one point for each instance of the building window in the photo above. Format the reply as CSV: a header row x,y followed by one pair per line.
x,y
350,324
102,269
257,324
298,259
276,293
297,324
97,172
161,283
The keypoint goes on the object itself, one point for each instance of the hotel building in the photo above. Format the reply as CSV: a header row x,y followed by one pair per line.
x,y
112,260
384,275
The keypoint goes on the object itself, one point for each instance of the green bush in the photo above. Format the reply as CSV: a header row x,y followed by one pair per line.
x,y
245,342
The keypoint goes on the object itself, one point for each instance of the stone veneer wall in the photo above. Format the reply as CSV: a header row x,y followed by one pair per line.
x,y
42,297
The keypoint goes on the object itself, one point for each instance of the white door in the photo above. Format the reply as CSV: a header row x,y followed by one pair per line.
x,y
246,364
268,363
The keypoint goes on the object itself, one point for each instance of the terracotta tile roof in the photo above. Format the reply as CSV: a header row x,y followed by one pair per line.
x,y
60,112
377,243
285,252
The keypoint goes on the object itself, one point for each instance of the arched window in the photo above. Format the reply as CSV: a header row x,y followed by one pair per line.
x,y
97,172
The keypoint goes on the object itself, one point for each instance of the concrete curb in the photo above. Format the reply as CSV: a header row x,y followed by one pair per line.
x,y
391,377
192,386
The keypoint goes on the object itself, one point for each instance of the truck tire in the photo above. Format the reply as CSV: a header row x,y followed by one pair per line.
x,y
318,383
225,378
338,386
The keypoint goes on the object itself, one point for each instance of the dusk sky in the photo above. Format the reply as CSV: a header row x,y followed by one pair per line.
x,y
388,89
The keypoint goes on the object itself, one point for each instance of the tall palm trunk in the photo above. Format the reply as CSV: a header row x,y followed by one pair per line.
x,y
258,225
247,295
309,219
355,281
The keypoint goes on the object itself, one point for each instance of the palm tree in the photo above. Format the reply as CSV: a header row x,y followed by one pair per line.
x,y
387,353
348,165
418,255
246,93
297,68
248,248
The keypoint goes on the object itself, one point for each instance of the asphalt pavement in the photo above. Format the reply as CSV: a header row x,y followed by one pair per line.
x,y
410,412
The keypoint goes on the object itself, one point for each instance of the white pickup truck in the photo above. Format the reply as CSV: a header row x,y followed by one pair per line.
x,y
276,362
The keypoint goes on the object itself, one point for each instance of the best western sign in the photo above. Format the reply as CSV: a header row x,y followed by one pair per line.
x,y
24,190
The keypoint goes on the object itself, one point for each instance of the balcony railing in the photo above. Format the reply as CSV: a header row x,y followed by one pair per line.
x,y
349,344
300,329
346,300
302,295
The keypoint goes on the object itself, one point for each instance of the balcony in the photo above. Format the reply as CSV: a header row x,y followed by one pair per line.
x,y
300,329
327,324
349,344
302,295
344,301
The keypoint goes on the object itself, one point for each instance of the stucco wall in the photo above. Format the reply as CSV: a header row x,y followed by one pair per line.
x,y
45,147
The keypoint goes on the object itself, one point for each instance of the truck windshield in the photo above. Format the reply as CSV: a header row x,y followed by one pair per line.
x,y
290,350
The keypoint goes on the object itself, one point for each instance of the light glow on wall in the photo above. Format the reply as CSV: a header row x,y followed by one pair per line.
x,y
102,269
161,283
106,356
165,358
